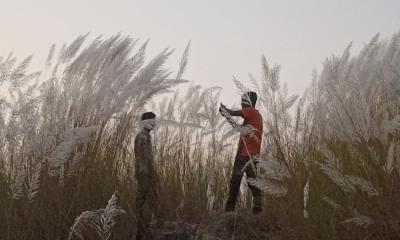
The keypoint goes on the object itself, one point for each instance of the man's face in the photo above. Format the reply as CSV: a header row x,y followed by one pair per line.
x,y
244,102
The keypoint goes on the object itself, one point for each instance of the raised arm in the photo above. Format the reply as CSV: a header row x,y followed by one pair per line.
x,y
234,113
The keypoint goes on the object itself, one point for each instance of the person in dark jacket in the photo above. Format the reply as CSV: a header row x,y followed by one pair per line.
x,y
146,177
248,149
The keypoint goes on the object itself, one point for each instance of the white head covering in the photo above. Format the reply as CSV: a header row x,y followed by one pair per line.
x,y
150,124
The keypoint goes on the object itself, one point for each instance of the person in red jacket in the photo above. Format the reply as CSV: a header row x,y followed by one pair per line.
x,y
249,148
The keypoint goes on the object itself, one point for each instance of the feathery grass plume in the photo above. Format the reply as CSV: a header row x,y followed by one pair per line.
x,y
240,86
63,152
181,149
50,56
362,221
34,181
392,125
290,101
271,75
107,218
354,109
363,185
18,77
85,221
72,49
337,176
331,202
275,103
6,68
18,187
397,158
354,106
270,176
273,189
166,122
390,160
273,169
184,62
100,221
348,183
305,198
101,83
243,90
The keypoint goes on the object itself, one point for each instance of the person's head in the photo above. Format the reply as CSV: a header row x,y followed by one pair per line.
x,y
249,99
149,120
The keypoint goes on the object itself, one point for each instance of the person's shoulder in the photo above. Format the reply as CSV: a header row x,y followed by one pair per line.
x,y
249,111
258,112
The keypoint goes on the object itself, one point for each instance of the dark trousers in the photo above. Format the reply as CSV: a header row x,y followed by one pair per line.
x,y
239,168
146,206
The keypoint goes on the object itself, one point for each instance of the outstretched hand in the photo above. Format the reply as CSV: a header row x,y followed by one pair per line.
x,y
236,113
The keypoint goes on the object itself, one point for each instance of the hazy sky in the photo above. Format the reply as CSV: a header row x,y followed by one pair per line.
x,y
228,37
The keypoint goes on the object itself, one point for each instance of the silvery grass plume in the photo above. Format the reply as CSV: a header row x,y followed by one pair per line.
x,y
362,221
347,183
271,174
18,186
331,203
160,122
215,124
357,96
331,170
270,187
64,151
27,185
194,116
100,221
18,111
82,85
177,80
34,181
197,108
393,158
184,62
197,112
275,103
104,79
56,161
242,90
201,104
208,114
306,191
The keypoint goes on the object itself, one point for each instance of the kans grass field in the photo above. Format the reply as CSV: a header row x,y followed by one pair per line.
x,y
330,164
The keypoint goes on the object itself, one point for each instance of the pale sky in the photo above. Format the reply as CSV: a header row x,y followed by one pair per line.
x,y
228,36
